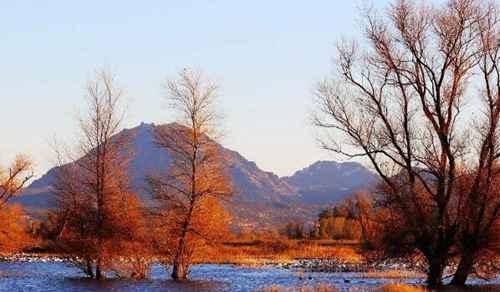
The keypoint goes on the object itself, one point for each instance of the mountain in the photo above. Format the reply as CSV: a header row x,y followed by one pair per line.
x,y
254,189
261,198
328,181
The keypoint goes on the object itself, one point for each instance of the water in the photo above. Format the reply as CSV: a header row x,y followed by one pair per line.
x,y
58,276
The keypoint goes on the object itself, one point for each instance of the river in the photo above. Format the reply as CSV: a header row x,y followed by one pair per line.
x,y
58,276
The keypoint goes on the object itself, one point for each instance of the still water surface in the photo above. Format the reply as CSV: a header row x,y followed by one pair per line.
x,y
57,276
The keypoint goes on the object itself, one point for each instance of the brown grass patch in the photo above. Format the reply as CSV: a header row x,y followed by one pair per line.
x,y
393,274
276,251
317,288
401,288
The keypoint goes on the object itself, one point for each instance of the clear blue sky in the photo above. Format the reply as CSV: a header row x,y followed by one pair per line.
x,y
267,55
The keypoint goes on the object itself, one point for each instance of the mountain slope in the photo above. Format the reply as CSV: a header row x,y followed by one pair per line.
x,y
328,181
254,189
261,198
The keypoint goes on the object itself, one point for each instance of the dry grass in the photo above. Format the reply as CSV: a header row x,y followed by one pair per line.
x,y
317,288
401,288
392,274
329,288
276,251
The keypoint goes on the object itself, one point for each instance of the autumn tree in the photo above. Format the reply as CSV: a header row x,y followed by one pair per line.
x,y
98,217
368,217
14,230
399,101
293,231
339,222
14,234
190,193
14,178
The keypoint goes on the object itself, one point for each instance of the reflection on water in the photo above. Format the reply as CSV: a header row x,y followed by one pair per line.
x,y
56,276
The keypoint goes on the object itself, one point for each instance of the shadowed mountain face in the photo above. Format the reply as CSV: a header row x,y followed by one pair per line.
x,y
261,198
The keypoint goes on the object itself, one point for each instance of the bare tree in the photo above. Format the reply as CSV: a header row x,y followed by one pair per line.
x,y
15,178
196,181
399,103
479,210
98,213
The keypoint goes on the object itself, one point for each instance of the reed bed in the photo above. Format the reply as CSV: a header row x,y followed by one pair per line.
x,y
276,251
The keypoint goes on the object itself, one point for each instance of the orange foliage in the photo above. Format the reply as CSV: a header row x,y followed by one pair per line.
x,y
101,220
14,229
196,178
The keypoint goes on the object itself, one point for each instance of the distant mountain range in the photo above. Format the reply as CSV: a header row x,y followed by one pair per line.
x,y
262,198
324,182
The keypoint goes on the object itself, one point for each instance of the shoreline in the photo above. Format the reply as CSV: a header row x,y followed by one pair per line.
x,y
294,265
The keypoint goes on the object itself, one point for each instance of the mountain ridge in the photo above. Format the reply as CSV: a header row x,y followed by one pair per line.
x,y
326,181
277,199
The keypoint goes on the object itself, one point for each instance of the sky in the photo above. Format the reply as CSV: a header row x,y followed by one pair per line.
x,y
266,56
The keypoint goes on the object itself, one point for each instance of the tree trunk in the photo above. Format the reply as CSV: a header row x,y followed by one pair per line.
x,y
98,272
181,262
435,272
181,268
88,268
463,270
